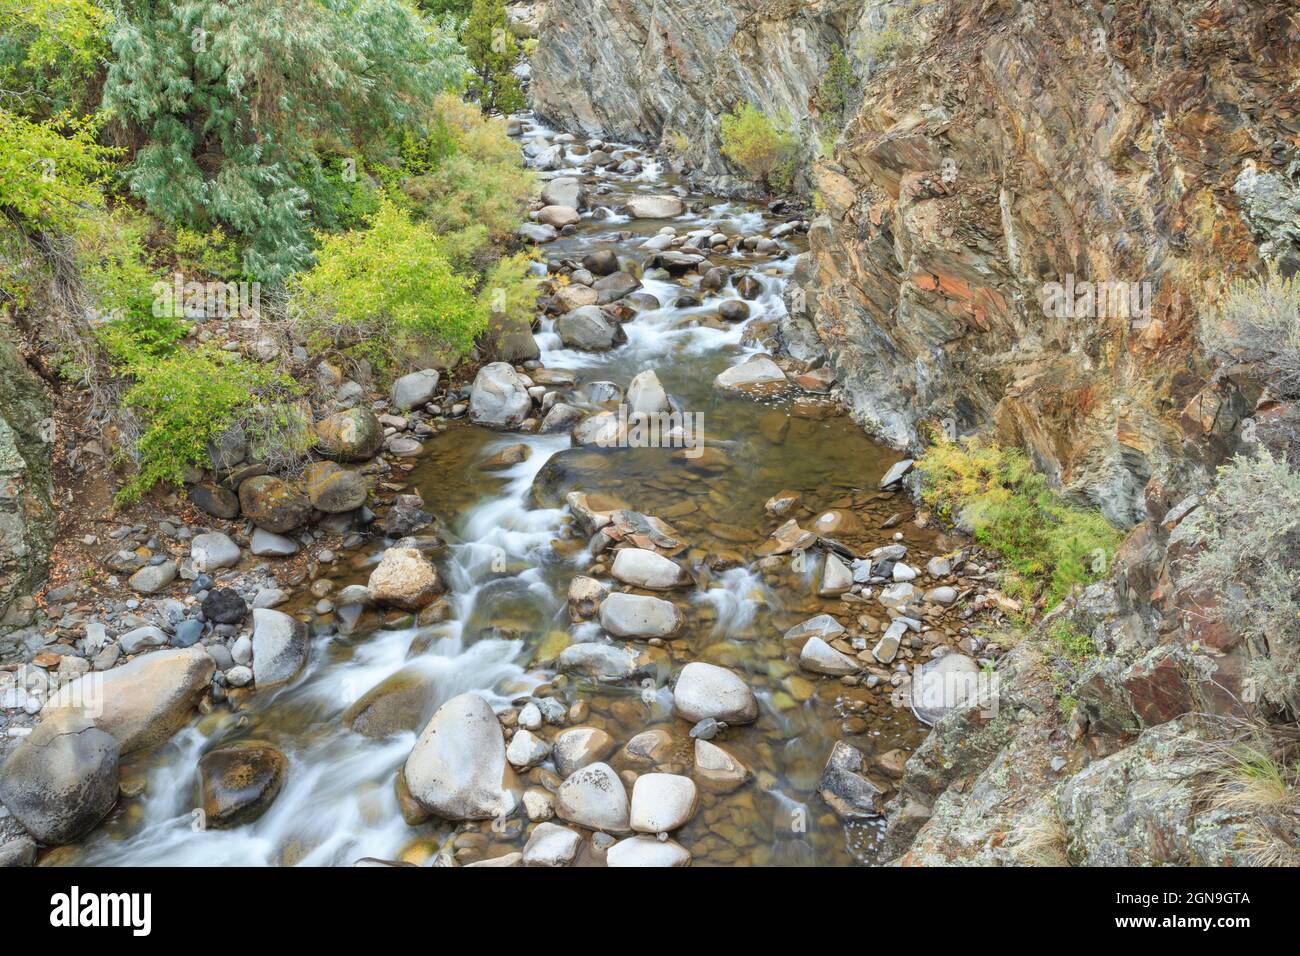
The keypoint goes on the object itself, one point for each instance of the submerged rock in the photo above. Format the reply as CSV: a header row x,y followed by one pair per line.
x,y
238,783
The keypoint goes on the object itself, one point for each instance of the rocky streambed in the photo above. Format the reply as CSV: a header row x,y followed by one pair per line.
x,y
538,633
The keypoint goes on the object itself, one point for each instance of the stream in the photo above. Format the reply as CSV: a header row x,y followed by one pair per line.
x,y
512,550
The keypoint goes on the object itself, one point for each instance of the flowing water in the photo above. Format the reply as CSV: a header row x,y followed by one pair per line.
x,y
512,550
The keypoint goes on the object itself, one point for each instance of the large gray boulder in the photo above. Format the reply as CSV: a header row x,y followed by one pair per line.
x,y
280,646
563,191
414,390
499,398
457,769
143,702
589,329
655,207
62,779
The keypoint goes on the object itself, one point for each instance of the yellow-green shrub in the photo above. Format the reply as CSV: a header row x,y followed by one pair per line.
x,y
185,399
388,292
1048,544
471,181
766,151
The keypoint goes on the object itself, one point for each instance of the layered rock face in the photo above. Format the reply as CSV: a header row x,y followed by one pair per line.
x,y
637,70
1147,146
28,523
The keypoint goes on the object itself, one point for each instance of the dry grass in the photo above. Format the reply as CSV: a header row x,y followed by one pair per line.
x,y
1044,842
1253,773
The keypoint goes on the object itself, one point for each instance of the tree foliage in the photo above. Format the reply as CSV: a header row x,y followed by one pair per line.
x,y
236,106
493,52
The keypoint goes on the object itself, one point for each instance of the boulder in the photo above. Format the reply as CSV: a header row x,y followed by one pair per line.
x,y
213,551
62,778
153,578
756,374
222,606
280,647
414,390
351,435
537,233
403,701
707,690
601,262
526,750
662,802
333,489
589,329
837,579
943,684
655,207
405,579
649,569
144,701
273,504
585,595
635,615
563,191
499,398
239,782
573,296
605,662
614,287
558,216
267,544
594,797
215,500
457,769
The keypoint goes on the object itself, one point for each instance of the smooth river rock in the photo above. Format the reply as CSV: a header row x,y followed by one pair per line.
x,y
648,852
707,690
499,398
649,569
636,615
594,797
404,578
144,701
662,802
280,647
457,769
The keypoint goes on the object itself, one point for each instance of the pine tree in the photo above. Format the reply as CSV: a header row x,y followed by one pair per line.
x,y
493,52
237,106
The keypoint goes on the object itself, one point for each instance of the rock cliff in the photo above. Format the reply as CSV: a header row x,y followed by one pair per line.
x,y
27,519
1125,157
639,70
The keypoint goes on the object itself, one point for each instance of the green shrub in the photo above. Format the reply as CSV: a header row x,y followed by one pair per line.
x,y
1048,545
51,54
756,144
388,292
187,398
50,171
474,189
1249,526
